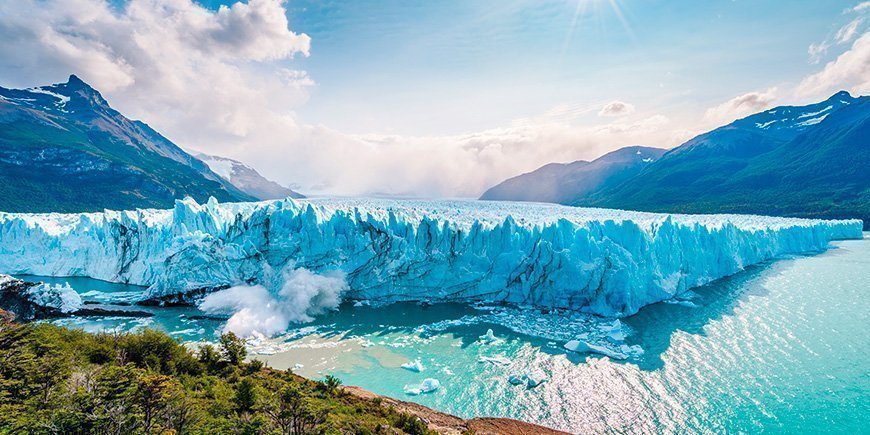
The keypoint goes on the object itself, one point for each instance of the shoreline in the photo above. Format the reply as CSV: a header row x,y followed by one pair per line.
x,y
449,424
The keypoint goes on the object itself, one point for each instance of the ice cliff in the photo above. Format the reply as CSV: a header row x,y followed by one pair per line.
x,y
600,261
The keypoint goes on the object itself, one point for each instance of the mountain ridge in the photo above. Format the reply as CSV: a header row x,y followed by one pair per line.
x,y
64,148
246,178
801,161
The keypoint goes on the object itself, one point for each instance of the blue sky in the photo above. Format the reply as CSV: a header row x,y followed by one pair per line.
x,y
435,98
448,67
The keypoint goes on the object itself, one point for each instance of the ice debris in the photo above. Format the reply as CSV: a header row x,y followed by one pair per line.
x,y
414,366
488,338
427,386
495,360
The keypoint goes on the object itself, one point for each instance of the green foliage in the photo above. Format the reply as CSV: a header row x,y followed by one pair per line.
x,y
56,380
246,395
233,348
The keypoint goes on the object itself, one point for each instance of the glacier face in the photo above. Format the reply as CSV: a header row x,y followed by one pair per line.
x,y
605,262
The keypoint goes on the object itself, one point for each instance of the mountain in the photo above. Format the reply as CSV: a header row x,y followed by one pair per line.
x,y
808,161
247,179
64,149
805,161
567,183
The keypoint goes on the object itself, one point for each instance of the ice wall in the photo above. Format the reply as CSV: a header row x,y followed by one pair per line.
x,y
606,262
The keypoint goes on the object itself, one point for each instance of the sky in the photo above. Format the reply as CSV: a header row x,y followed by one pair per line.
x,y
435,98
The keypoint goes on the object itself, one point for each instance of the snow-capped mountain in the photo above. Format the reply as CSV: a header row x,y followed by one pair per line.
x,y
246,178
63,148
807,161
566,183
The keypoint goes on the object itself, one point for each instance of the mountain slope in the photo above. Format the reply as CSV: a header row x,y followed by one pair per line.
x,y
571,182
797,161
247,179
63,148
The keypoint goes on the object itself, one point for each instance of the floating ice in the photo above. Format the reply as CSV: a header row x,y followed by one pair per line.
x,y
535,378
414,366
605,262
515,379
62,297
488,338
614,332
585,347
427,386
495,360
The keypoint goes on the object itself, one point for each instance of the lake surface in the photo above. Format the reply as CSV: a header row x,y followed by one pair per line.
x,y
782,347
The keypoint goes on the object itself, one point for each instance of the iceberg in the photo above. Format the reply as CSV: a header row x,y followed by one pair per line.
x,y
488,338
604,262
494,360
427,386
414,366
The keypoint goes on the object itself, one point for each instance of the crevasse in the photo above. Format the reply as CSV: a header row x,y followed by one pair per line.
x,y
606,262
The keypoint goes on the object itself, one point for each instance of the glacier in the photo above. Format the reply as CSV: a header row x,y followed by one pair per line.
x,y
604,262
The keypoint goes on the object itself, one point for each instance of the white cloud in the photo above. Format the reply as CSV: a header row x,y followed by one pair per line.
x,y
861,7
850,71
816,51
224,83
616,108
740,106
848,32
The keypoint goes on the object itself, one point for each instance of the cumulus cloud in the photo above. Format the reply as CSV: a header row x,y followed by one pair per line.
x,y
616,108
861,7
294,295
225,82
740,106
849,71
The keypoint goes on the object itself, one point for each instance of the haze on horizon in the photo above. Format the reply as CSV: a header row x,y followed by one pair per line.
x,y
446,99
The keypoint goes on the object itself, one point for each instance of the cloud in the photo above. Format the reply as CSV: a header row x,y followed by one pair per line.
x,y
816,51
225,82
616,108
848,32
861,7
740,106
849,71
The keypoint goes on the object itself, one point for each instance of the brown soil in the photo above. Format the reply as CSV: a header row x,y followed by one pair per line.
x,y
444,423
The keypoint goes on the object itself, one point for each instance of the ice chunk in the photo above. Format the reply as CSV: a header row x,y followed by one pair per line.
x,y
495,360
535,378
585,347
488,338
62,297
515,379
414,366
427,386
522,253
614,332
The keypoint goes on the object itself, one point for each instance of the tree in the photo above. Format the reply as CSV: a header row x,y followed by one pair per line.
x,y
246,395
153,395
233,348
209,357
291,412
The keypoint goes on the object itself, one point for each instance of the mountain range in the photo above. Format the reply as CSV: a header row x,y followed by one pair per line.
x,y
64,149
806,161
247,179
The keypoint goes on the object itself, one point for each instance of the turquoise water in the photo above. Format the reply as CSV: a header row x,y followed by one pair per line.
x,y
779,348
